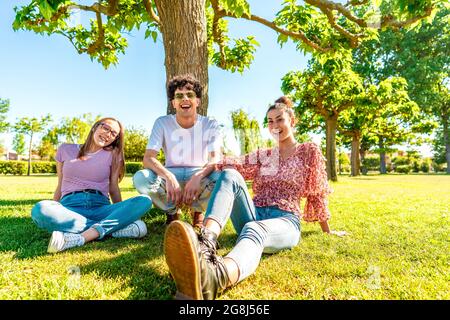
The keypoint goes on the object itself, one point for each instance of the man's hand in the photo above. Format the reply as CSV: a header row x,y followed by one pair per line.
x,y
192,189
173,190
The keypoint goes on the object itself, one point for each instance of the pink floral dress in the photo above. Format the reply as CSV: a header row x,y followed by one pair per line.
x,y
283,182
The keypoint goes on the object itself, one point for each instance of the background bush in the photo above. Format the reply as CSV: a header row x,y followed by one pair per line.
x,y
20,167
133,167
13,167
43,167
403,169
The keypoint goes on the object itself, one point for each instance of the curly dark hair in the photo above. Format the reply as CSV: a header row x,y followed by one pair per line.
x,y
184,81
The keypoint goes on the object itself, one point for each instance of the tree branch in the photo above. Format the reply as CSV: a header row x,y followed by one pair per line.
x,y
151,12
330,5
354,38
100,42
385,21
217,35
389,20
111,10
296,35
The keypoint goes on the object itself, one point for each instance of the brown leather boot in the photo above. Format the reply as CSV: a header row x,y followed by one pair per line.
x,y
198,274
197,219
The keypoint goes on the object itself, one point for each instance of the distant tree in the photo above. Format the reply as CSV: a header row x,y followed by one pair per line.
x,y
421,56
2,148
29,127
49,143
135,144
322,92
386,102
19,143
246,131
76,129
4,108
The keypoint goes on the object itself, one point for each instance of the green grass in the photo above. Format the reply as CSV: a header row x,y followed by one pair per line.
x,y
398,248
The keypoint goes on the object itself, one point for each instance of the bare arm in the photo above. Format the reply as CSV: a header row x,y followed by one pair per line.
x,y
114,190
192,189
173,187
57,194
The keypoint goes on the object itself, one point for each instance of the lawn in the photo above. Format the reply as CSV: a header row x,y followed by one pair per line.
x,y
398,248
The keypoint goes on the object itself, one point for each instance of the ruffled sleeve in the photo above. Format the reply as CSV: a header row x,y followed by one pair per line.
x,y
247,165
316,188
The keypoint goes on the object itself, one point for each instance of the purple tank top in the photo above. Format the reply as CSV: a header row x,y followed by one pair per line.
x,y
92,173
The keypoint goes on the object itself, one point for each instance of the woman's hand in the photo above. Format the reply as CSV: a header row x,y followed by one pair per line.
x,y
326,229
339,233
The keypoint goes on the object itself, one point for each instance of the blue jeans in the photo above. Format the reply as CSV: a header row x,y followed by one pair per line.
x,y
78,212
260,229
147,182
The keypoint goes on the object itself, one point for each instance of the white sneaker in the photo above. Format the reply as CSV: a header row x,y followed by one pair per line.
x,y
61,241
137,229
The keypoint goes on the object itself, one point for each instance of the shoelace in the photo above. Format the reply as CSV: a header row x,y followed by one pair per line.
x,y
129,230
209,246
71,240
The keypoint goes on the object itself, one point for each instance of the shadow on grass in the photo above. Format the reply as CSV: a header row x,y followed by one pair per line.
x,y
22,236
144,280
27,202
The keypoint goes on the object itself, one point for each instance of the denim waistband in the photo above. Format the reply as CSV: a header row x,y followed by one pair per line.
x,y
82,191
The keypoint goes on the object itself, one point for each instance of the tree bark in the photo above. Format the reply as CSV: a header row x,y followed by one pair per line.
x,y
362,155
446,142
382,157
331,126
355,161
184,33
29,155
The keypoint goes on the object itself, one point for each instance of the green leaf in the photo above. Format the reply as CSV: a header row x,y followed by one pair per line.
x,y
154,35
45,9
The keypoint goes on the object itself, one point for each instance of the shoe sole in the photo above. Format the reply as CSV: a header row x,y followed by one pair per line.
x,y
182,259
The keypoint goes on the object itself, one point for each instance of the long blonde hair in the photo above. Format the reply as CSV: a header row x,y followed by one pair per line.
x,y
118,162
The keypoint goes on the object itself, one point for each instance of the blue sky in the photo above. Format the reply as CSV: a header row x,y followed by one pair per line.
x,y
41,74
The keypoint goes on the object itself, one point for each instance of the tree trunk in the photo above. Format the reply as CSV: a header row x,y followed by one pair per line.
x,y
362,155
447,143
29,155
331,125
355,162
382,158
184,33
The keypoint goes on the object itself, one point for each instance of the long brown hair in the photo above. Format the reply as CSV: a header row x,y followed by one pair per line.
x,y
118,162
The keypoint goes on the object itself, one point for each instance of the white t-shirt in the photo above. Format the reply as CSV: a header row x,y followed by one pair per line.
x,y
185,147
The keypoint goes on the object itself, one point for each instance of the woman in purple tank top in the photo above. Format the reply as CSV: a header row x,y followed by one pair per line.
x,y
88,180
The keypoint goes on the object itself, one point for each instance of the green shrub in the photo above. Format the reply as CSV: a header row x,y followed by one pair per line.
x,y
401,161
133,167
403,169
425,165
415,165
371,163
43,167
439,167
13,167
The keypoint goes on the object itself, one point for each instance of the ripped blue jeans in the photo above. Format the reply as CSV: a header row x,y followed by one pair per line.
x,y
260,229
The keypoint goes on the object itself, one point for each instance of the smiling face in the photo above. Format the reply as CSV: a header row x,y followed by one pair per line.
x,y
280,124
185,102
106,133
